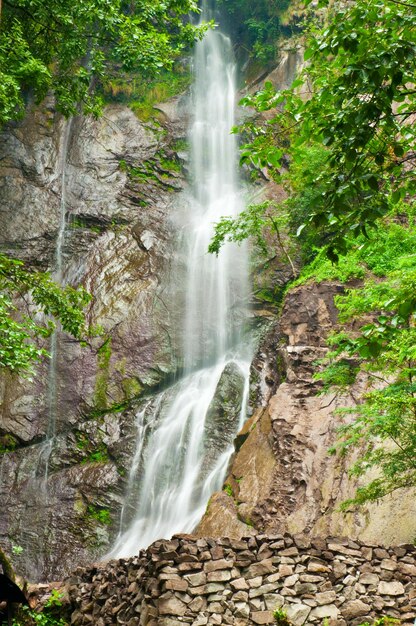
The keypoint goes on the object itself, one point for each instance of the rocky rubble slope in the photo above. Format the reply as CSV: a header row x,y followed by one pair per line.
x,y
229,581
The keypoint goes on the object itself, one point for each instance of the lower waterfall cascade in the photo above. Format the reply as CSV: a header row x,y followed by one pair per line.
x,y
174,471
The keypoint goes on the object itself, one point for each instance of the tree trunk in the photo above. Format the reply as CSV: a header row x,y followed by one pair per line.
x,y
4,560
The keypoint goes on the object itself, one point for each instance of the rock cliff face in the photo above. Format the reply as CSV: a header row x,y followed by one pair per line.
x,y
121,189
282,477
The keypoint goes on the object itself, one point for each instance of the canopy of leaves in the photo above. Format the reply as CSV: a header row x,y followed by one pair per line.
x,y
357,100
68,47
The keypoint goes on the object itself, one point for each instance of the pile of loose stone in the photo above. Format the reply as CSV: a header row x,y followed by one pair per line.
x,y
227,581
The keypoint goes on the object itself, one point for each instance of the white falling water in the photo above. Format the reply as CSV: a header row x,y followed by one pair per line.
x,y
176,466
52,396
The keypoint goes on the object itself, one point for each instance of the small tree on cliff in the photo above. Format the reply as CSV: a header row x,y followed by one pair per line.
x,y
22,330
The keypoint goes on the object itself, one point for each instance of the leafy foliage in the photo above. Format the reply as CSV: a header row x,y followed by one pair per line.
x,y
384,424
71,46
357,103
256,26
253,222
379,254
21,330
281,618
50,615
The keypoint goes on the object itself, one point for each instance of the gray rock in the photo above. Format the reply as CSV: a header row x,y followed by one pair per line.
x,y
239,584
219,576
171,606
354,608
262,617
328,610
369,579
273,601
298,613
196,579
261,569
393,588
223,414
326,597
253,583
242,609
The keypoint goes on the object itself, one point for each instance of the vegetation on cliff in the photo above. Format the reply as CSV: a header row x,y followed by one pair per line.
x,y
24,294
346,129
256,26
69,47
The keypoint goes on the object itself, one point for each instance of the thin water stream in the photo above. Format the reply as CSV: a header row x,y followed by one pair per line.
x,y
46,449
177,466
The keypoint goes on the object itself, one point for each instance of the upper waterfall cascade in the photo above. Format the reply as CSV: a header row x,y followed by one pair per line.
x,y
175,469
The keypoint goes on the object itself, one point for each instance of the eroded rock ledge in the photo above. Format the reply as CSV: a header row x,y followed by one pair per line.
x,y
242,581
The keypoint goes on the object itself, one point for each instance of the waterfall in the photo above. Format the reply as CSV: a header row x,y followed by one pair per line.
x,y
183,448
52,396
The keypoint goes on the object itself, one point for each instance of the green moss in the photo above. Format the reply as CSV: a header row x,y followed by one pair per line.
x,y
7,565
99,454
98,514
281,618
228,490
79,506
103,375
93,452
82,440
142,96
272,295
145,111
116,407
131,388
172,165
156,170
8,443
180,145
78,222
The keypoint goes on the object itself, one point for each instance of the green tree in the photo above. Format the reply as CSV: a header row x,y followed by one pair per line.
x,y
25,299
356,99
384,422
70,46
